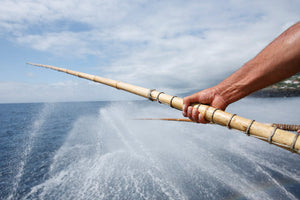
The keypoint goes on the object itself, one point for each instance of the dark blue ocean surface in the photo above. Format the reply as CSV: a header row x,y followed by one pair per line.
x,y
97,150
29,136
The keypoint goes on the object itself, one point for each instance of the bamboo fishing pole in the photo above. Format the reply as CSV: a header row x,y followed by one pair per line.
x,y
273,135
287,127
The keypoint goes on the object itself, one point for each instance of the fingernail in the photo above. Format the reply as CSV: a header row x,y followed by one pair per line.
x,y
184,107
194,112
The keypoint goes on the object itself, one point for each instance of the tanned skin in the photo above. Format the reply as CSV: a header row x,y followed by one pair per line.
x,y
277,61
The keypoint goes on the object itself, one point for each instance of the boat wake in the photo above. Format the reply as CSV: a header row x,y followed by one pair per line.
x,y
111,156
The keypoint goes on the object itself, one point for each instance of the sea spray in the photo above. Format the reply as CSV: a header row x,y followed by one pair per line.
x,y
113,156
99,159
28,145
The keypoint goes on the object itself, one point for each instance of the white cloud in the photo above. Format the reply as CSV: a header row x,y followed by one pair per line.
x,y
63,43
17,92
175,45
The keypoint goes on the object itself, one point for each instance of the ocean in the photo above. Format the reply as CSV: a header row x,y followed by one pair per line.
x,y
99,150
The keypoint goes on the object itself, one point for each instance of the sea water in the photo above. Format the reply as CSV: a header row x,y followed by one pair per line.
x,y
99,150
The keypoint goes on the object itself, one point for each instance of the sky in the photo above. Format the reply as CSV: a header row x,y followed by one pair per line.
x,y
175,46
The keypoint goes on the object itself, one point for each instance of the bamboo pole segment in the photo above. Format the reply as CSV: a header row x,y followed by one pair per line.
x,y
262,131
287,127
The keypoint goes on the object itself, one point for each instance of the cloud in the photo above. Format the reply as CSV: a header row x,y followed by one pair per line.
x,y
63,43
18,92
173,45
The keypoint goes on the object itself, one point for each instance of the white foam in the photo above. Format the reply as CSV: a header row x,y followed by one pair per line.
x,y
25,151
114,157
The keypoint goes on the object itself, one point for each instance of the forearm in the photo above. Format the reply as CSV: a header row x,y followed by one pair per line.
x,y
279,60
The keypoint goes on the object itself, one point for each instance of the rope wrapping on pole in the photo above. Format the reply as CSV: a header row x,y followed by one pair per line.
x,y
282,138
287,127
290,127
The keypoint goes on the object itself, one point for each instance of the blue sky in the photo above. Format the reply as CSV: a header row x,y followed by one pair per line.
x,y
175,46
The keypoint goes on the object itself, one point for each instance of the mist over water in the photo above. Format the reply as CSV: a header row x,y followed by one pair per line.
x,y
108,155
25,149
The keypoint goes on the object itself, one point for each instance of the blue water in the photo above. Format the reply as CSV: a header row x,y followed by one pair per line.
x,y
96,150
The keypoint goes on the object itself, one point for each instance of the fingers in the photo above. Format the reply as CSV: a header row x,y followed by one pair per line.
x,y
298,131
193,113
195,116
189,112
186,102
202,120
184,110
209,97
204,97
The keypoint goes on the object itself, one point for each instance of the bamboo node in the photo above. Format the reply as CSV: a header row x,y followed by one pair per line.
x,y
248,128
272,134
212,115
172,101
157,98
116,86
149,94
294,142
204,113
229,121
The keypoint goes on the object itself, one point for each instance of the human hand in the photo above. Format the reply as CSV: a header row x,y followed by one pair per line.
x,y
298,131
211,96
